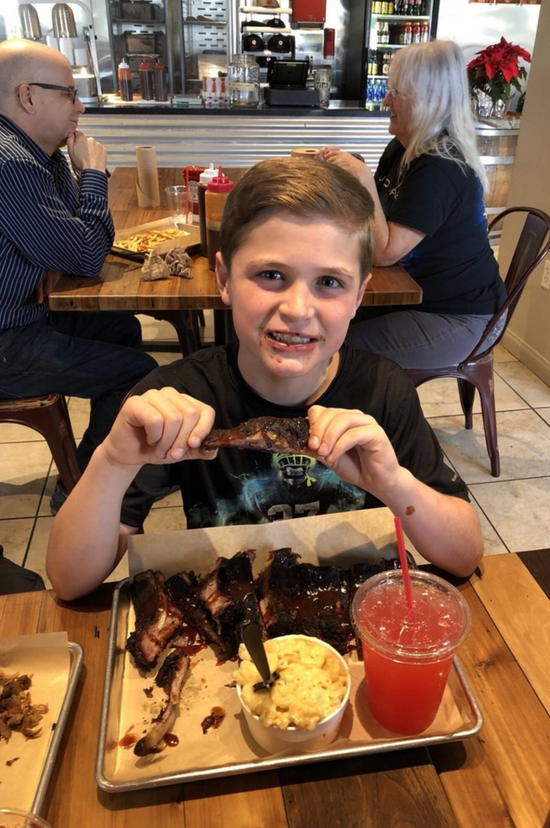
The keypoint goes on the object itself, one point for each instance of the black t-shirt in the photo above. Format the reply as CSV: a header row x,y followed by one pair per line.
x,y
241,487
454,263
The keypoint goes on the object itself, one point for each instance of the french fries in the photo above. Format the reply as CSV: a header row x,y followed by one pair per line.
x,y
148,239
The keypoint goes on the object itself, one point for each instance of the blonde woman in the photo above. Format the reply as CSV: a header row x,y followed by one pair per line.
x,y
429,213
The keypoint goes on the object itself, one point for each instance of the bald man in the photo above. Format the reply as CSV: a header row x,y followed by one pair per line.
x,y
54,220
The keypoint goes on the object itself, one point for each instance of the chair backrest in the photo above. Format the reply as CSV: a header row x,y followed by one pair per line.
x,y
532,247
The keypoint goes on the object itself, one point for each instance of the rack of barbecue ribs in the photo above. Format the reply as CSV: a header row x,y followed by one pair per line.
x,y
273,434
286,597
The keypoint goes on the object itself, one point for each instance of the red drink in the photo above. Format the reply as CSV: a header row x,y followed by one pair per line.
x,y
408,652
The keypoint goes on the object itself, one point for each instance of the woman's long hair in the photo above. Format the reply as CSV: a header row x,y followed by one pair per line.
x,y
432,76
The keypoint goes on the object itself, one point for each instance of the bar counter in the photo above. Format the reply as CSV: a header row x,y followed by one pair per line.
x,y
233,137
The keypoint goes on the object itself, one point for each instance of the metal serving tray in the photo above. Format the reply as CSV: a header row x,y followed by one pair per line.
x,y
76,655
193,759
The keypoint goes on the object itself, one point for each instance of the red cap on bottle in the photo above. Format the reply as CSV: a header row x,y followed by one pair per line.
x,y
145,64
220,184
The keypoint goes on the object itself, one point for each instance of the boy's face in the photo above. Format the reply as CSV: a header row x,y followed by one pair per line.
x,y
295,284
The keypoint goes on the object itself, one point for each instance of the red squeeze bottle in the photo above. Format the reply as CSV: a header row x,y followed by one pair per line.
x,y
328,42
124,75
161,90
146,80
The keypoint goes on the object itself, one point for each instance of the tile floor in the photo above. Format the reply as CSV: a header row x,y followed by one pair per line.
x,y
513,508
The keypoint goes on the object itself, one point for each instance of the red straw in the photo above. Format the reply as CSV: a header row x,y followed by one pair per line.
x,y
404,562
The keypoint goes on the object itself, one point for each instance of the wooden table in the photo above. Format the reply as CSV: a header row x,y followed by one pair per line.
x,y
499,779
119,286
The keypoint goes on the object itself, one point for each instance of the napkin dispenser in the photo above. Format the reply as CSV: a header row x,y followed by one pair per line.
x,y
287,84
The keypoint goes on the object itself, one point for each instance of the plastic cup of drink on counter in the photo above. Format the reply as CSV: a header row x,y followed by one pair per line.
x,y
322,82
178,204
12,818
408,652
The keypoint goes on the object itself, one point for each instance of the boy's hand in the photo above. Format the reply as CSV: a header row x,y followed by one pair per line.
x,y
159,427
355,447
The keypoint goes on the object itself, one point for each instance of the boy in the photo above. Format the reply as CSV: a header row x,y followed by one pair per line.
x,y
295,259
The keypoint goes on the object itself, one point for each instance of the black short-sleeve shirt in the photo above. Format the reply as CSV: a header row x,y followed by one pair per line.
x,y
454,263
241,487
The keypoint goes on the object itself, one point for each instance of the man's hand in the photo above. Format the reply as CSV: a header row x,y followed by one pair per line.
x,y
159,427
47,285
86,153
355,447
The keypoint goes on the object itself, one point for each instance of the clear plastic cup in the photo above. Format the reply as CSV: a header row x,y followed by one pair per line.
x,y
408,652
322,82
12,818
178,204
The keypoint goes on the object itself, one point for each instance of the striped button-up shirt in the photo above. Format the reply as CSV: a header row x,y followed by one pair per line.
x,y
47,222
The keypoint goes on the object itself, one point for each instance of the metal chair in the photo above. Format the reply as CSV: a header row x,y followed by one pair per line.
x,y
476,371
49,416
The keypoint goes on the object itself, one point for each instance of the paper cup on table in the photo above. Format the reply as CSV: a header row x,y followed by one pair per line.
x,y
148,191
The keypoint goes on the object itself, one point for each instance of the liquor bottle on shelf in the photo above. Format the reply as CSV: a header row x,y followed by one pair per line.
x,y
425,31
391,7
383,33
418,7
384,6
398,7
416,32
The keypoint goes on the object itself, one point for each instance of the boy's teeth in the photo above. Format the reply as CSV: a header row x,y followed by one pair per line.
x,y
290,338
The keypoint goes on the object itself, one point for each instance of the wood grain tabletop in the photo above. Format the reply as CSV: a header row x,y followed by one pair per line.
x,y
497,779
120,287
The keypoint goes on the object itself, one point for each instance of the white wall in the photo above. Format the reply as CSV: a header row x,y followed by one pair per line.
x,y
476,25
528,335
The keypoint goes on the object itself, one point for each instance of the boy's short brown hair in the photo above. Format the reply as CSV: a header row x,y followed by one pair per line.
x,y
302,187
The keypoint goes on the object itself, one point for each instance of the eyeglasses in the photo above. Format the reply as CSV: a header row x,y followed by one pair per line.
x,y
71,92
392,92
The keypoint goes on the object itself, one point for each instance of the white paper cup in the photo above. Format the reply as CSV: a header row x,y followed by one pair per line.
x,y
274,739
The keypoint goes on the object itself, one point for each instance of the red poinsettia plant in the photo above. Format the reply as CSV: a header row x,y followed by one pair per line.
x,y
495,70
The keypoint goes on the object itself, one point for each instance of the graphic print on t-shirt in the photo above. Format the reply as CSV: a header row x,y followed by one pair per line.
x,y
294,485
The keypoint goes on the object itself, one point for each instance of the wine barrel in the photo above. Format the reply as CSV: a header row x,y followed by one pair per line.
x,y
497,149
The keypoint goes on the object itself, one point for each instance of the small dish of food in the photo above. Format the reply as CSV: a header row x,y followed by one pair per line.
x,y
305,706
